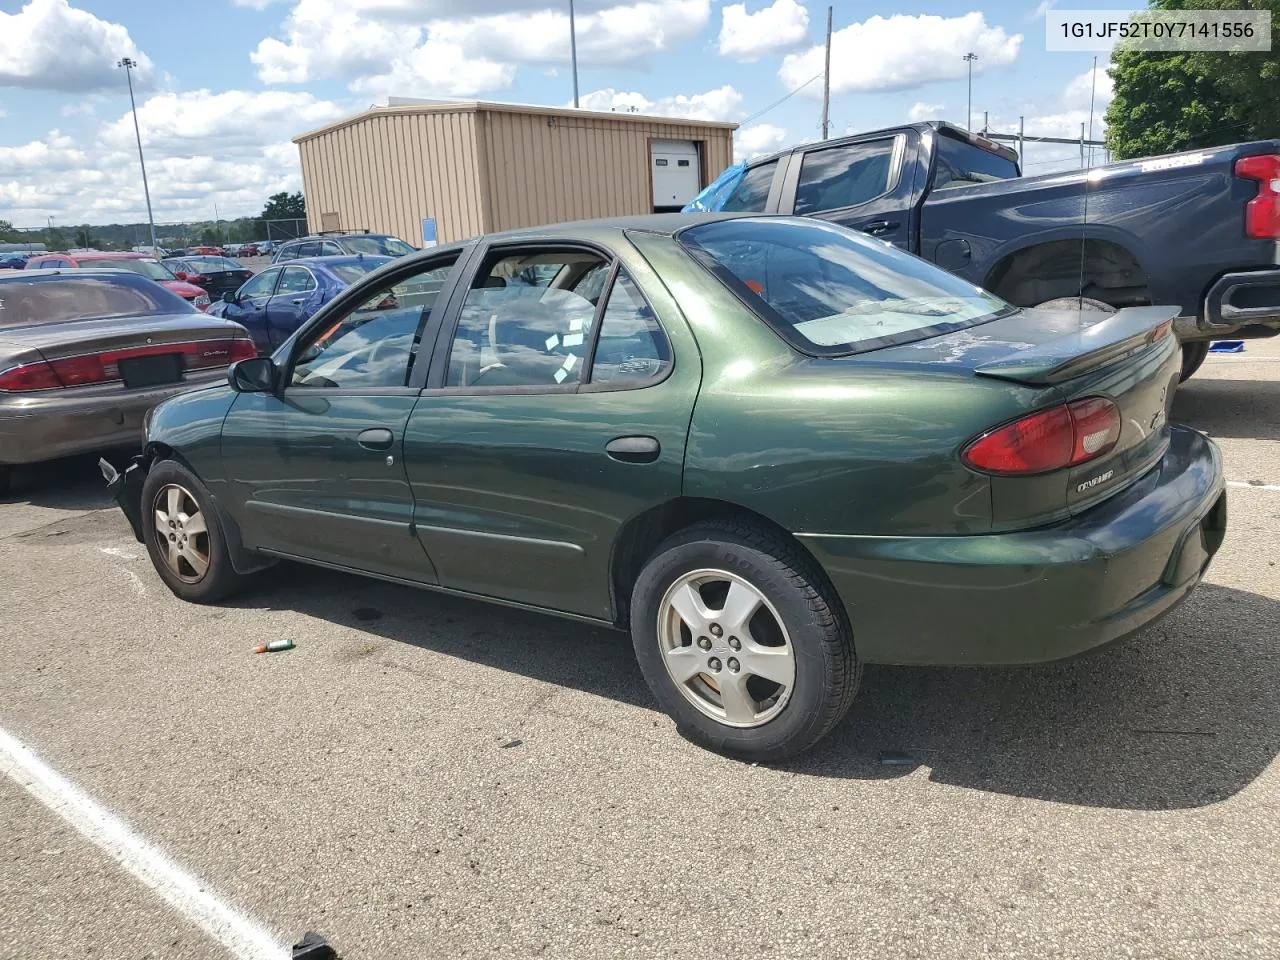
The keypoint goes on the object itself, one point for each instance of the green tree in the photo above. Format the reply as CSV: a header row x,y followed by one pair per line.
x,y
83,239
285,206
1171,101
211,237
7,233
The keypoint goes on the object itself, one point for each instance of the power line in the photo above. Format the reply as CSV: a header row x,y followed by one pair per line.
x,y
781,100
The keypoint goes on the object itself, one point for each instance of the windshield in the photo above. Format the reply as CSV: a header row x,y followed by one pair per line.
x,y
379,246
151,269
349,273
831,291
66,297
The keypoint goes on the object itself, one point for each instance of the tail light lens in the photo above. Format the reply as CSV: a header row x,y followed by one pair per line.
x,y
1047,440
1262,213
104,367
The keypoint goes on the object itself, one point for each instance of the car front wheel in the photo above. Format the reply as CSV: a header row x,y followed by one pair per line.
x,y
184,535
741,642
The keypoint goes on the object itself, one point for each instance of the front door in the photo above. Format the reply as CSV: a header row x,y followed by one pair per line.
x,y
249,307
526,456
297,297
317,469
860,185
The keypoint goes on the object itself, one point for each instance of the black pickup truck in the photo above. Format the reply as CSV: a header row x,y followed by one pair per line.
x,y
1200,230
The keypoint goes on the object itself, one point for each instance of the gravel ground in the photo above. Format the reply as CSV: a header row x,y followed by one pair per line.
x,y
431,777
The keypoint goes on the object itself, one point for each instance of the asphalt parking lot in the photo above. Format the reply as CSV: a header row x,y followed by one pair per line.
x,y
430,777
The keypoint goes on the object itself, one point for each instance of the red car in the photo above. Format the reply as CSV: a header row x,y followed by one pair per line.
x,y
207,251
138,263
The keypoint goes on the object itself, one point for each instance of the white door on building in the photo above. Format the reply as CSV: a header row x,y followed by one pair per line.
x,y
677,174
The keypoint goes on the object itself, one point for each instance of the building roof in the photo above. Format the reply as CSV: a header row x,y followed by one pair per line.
x,y
403,105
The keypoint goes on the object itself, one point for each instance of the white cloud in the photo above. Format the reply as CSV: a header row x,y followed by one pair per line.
x,y
436,69
50,45
1095,83
723,103
926,111
253,4
1043,7
748,36
757,141
900,52
228,148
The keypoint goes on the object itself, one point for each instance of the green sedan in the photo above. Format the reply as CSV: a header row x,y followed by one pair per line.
x,y
772,449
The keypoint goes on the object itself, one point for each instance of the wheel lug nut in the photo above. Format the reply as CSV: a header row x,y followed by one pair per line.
x,y
716,630
704,643
735,643
714,664
733,665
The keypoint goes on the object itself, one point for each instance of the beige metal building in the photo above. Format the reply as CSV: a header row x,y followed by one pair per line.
x,y
477,167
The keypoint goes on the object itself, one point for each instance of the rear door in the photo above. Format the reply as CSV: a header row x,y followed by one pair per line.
x,y
296,297
862,184
317,467
557,409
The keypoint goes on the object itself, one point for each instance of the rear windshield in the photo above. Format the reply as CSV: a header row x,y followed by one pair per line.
x,y
60,299
206,264
349,273
831,291
961,164
152,269
378,246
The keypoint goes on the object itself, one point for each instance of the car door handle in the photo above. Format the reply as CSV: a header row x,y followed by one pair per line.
x,y
298,300
633,449
376,439
877,227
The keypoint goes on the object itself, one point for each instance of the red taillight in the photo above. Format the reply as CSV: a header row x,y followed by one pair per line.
x,y
1048,440
104,367
28,376
1262,213
200,278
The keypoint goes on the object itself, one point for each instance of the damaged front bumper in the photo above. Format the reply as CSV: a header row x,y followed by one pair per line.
x,y
125,488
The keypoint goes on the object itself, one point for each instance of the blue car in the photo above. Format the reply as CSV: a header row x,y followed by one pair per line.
x,y
281,298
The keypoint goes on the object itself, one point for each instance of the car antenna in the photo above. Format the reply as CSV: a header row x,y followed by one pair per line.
x,y
1084,217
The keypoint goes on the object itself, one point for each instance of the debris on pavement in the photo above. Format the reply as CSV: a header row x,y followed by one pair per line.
x,y
312,946
1227,346
896,758
509,744
274,646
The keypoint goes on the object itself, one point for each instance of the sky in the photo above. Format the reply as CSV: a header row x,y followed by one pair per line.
x,y
222,86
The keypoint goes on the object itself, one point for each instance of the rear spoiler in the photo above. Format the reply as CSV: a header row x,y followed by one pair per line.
x,y
1090,347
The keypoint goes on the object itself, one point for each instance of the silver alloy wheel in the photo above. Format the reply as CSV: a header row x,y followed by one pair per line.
x,y
726,648
181,532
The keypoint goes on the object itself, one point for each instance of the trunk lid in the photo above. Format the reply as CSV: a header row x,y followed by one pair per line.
x,y
1130,358
75,337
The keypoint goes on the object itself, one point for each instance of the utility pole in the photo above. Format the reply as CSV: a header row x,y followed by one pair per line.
x,y
1082,146
826,84
573,52
969,58
128,65
1021,136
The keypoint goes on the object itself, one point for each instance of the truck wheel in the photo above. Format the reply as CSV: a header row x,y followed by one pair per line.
x,y
1193,355
184,535
1086,304
742,642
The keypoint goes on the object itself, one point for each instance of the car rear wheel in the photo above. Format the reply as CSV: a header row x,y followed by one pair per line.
x,y
741,641
1193,355
184,535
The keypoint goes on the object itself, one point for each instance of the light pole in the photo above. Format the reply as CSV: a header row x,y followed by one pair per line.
x,y
969,58
128,65
573,53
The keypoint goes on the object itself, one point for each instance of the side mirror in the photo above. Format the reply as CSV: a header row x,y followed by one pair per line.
x,y
255,375
231,296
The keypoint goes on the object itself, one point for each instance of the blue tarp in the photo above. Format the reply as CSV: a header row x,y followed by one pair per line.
x,y
713,197
1227,346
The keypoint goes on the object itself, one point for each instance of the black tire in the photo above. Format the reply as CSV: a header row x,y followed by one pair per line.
x,y
1087,304
826,673
219,579
1193,355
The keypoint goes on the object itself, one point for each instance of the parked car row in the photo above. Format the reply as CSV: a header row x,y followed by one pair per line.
x,y
141,264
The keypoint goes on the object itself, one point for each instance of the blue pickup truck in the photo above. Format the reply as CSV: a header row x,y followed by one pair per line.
x,y
1200,230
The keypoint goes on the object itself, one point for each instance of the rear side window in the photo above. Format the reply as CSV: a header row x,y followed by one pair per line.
x,y
843,176
752,192
296,280
66,298
961,164
288,252
631,349
830,291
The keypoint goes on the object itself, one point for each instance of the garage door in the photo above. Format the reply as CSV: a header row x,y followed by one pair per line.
x,y
677,174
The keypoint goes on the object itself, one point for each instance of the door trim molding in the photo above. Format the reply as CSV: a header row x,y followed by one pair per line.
x,y
560,546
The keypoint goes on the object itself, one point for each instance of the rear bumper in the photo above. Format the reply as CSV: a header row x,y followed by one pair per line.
x,y
1239,304
52,424
1042,594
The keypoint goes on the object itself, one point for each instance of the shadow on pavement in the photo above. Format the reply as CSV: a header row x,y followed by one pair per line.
x,y
1246,409
74,483
1184,715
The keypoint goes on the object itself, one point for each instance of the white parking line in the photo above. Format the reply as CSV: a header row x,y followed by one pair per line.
x,y
181,890
1246,485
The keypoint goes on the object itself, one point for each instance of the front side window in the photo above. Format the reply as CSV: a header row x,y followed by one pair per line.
x,y
523,322
631,348
752,192
843,176
259,286
296,280
374,345
329,248
831,291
